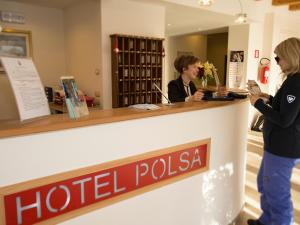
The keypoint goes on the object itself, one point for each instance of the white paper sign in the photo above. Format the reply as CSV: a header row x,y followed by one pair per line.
x,y
27,87
236,68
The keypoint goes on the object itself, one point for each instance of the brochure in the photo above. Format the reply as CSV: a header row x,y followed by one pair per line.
x,y
76,104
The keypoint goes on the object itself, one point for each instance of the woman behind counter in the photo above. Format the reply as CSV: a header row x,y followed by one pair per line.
x,y
183,89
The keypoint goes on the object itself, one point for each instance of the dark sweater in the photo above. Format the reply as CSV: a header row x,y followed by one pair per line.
x,y
176,91
281,130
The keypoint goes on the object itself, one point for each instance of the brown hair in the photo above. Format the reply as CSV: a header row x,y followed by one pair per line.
x,y
289,50
183,61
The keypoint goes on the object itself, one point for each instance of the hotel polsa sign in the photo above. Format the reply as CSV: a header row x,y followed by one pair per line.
x,y
74,193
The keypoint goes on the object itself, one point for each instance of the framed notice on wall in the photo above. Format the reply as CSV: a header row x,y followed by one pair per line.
x,y
27,87
15,43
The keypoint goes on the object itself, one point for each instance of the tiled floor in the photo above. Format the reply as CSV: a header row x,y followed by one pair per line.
x,y
242,219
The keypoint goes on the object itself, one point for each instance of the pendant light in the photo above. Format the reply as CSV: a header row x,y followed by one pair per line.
x,y
241,17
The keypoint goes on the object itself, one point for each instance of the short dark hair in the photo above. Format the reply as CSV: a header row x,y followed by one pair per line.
x,y
183,61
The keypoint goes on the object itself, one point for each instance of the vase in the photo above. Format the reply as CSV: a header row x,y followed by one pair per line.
x,y
204,82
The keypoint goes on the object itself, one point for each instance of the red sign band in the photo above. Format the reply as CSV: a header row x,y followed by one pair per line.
x,y
51,200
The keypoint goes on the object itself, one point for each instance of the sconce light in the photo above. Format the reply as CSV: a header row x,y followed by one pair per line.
x,y
205,2
1,28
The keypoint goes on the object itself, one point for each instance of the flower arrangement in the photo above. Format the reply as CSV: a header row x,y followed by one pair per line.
x,y
207,71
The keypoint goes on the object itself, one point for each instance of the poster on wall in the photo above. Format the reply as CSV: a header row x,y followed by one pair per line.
x,y
27,87
236,67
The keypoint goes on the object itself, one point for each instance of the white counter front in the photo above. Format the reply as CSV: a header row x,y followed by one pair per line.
x,y
214,197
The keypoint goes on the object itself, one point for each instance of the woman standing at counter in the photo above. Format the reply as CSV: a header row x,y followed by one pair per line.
x,y
183,89
281,134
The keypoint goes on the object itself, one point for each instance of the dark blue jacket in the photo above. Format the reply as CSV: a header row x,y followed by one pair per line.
x,y
281,129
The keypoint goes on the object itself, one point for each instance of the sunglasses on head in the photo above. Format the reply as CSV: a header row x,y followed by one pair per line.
x,y
277,59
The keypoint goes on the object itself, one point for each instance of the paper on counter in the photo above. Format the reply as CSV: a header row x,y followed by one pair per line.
x,y
145,106
27,87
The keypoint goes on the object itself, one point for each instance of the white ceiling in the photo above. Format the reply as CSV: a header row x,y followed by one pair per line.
x,y
182,19
59,4
179,19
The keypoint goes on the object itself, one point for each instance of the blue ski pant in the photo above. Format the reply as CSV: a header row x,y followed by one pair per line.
x,y
274,185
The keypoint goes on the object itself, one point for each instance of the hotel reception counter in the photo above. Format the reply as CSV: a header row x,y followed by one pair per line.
x,y
180,164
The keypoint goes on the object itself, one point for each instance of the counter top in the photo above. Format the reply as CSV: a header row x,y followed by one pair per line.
x,y
62,121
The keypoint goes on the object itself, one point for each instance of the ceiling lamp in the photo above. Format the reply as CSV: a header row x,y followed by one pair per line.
x,y
241,18
205,2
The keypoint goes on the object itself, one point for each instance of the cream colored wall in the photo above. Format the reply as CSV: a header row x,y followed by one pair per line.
x,y
82,42
8,108
64,43
281,29
126,17
217,45
238,40
196,44
255,42
46,25
69,42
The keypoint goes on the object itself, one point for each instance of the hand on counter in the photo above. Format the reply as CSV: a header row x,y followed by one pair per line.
x,y
197,96
222,91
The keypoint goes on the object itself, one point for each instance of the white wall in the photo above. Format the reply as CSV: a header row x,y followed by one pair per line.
x,y
238,40
64,43
283,27
247,38
70,42
46,25
83,44
126,17
255,42
268,35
